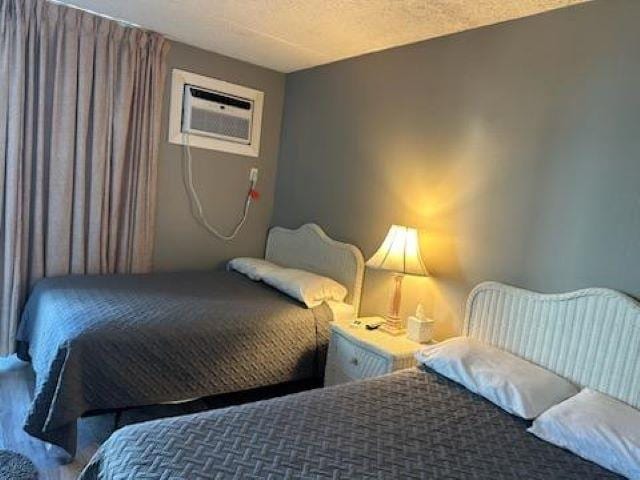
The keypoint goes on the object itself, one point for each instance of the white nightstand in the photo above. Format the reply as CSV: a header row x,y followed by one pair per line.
x,y
356,353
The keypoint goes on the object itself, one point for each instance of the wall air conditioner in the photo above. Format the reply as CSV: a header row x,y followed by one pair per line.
x,y
209,113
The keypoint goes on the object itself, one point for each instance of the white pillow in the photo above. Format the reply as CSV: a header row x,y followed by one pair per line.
x,y
342,312
309,288
596,427
254,268
514,384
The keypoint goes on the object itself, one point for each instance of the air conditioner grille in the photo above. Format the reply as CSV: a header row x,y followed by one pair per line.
x,y
219,124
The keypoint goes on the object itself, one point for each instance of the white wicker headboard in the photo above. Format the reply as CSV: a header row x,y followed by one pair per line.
x,y
309,248
591,336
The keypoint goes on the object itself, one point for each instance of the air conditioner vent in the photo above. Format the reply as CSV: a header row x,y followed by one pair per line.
x,y
219,124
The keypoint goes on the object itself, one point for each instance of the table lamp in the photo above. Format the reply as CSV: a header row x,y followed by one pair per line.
x,y
399,253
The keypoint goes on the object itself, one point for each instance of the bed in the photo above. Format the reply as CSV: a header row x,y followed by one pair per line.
x,y
101,343
409,424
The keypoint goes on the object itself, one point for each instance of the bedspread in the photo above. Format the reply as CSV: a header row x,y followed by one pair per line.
x,y
115,341
410,424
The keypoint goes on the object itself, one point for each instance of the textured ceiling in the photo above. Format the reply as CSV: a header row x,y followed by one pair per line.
x,y
288,35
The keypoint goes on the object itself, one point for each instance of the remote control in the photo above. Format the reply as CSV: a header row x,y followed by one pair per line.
x,y
373,326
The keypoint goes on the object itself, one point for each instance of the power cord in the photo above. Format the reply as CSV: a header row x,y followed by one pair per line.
x,y
196,205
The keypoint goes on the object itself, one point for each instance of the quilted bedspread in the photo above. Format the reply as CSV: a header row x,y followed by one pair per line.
x,y
408,425
109,342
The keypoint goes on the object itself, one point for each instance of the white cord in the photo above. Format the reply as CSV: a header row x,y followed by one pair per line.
x,y
196,204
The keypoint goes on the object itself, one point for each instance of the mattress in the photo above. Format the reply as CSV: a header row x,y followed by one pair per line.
x,y
412,424
110,342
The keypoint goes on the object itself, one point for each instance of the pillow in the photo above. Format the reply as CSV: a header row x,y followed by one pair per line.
x,y
596,427
342,312
254,268
309,288
517,386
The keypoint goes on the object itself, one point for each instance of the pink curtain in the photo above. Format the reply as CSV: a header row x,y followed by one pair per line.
x,y
80,108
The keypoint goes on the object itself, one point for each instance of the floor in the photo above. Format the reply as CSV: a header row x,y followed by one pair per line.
x,y
16,392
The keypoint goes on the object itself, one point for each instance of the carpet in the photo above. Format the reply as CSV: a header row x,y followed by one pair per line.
x,y
14,466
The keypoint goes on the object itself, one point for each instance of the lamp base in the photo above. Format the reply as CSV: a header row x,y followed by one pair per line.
x,y
393,326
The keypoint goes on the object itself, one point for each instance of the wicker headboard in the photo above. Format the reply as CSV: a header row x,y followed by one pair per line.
x,y
309,248
591,336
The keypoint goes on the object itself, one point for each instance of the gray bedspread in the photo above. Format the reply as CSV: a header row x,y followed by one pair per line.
x,y
109,342
408,425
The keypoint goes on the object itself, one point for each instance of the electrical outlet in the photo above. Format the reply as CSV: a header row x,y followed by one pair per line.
x,y
253,175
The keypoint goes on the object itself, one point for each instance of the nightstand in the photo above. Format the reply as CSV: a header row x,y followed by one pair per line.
x,y
356,353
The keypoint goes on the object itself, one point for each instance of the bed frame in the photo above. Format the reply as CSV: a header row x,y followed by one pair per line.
x,y
591,336
309,248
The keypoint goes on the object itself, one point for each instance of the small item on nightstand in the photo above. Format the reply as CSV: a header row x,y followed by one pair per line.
x,y
356,323
373,325
419,327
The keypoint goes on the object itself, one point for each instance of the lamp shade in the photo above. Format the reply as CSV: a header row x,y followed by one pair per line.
x,y
400,252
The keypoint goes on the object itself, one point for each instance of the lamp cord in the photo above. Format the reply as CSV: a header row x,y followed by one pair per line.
x,y
196,205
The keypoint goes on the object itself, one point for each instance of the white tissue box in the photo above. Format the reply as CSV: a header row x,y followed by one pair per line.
x,y
420,330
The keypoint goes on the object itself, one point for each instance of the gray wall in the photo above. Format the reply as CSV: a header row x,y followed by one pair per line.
x,y
221,178
516,147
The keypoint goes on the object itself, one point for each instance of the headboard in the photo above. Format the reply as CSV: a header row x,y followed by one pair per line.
x,y
591,336
309,248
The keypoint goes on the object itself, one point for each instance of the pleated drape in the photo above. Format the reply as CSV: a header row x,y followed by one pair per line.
x,y
80,109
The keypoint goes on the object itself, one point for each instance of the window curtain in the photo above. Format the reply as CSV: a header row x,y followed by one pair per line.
x,y
80,108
